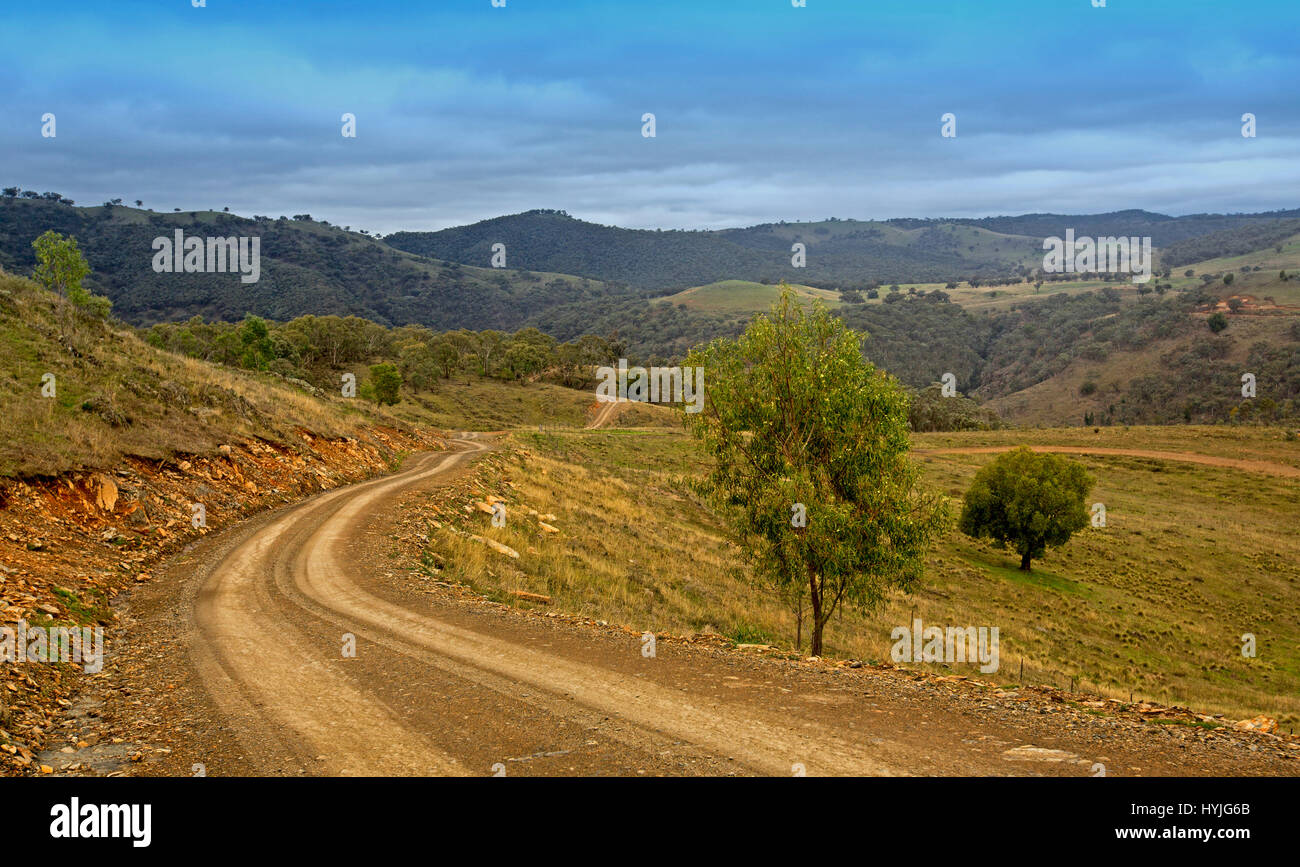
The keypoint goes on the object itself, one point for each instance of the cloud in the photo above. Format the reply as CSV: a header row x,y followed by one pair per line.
x,y
763,114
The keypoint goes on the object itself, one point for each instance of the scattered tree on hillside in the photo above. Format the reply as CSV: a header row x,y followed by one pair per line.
x,y
256,350
809,442
446,357
1027,501
487,347
60,267
385,383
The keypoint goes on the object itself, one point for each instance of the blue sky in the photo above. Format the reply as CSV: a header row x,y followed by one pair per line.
x,y
764,111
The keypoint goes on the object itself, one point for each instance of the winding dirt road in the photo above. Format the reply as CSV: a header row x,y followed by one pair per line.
x,y
236,663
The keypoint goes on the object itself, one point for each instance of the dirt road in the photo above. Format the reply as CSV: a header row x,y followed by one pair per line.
x,y
605,414
1266,467
234,662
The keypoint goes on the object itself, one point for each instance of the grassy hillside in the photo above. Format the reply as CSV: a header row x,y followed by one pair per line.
x,y
490,405
1153,358
114,395
1230,242
743,296
1154,604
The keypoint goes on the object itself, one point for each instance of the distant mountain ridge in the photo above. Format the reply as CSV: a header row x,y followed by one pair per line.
x,y
839,253
563,274
306,267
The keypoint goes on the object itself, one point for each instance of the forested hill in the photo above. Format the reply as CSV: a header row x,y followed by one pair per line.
x,y
1161,228
840,253
307,267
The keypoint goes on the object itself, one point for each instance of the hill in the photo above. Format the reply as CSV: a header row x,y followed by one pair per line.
x,y
846,252
840,253
306,267
1040,350
1152,605
742,296
1163,230
84,393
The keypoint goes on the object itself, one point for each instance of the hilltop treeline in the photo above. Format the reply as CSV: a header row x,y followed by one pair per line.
x,y
1163,229
671,260
653,330
315,349
306,267
1231,242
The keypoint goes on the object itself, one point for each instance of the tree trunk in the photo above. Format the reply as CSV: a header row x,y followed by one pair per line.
x,y
817,622
1024,562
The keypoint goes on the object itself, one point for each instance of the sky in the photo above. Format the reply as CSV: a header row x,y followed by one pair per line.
x,y
763,111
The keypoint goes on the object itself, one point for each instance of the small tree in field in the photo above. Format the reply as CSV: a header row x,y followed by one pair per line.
x,y
60,267
1027,501
810,444
386,382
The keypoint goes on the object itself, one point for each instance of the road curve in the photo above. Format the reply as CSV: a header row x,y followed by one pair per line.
x,y
287,695
440,685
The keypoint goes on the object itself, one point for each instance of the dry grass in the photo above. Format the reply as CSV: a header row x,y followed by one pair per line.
x,y
116,395
1154,604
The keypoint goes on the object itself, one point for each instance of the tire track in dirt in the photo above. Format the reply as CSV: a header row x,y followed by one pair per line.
x,y
1250,466
280,695
605,414
443,687
279,684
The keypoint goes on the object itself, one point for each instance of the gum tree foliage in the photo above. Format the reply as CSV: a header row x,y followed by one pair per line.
x,y
1027,501
794,415
419,366
528,352
931,411
255,347
60,267
385,383
445,357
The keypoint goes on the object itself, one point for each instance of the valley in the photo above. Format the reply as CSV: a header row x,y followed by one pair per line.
x,y
1136,626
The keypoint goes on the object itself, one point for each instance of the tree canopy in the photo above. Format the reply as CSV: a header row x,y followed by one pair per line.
x,y
1027,501
809,444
